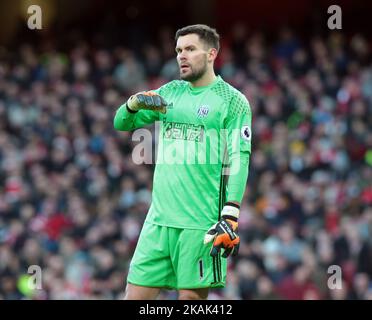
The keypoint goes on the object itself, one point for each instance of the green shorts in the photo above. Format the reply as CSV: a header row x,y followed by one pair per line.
x,y
175,258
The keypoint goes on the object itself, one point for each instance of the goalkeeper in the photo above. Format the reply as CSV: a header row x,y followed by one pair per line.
x,y
192,224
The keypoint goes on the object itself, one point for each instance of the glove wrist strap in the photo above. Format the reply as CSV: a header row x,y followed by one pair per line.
x,y
129,109
230,211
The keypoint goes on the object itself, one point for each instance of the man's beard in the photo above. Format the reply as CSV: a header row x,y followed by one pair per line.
x,y
195,74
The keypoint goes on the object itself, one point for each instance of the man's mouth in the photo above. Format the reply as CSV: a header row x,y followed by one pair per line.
x,y
184,67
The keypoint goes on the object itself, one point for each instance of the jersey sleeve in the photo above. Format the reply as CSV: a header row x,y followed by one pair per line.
x,y
239,134
126,121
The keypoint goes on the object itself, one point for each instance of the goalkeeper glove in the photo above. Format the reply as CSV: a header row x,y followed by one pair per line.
x,y
224,232
148,100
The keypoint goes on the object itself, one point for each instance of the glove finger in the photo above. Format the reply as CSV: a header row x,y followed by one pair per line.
x,y
149,101
218,241
157,101
227,252
140,98
210,235
236,249
215,250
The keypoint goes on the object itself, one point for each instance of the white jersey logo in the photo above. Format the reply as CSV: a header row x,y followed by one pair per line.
x,y
203,111
245,133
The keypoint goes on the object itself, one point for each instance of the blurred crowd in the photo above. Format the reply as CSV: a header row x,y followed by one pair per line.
x,y
73,202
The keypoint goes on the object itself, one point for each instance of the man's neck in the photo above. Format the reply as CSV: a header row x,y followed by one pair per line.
x,y
205,80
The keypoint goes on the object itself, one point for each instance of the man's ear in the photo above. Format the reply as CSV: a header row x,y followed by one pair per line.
x,y
212,54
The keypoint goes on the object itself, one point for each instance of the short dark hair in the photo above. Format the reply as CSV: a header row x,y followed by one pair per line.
x,y
205,33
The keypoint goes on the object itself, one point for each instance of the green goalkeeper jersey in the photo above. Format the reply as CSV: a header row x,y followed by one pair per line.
x,y
202,155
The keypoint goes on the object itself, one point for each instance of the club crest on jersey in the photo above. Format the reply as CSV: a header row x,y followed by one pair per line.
x,y
245,133
203,111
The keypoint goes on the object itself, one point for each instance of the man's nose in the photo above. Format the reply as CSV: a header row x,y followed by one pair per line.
x,y
182,56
